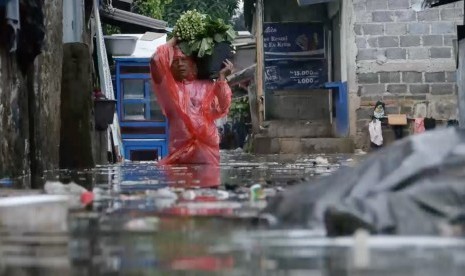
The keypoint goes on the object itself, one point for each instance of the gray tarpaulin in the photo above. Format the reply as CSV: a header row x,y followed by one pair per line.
x,y
414,187
435,3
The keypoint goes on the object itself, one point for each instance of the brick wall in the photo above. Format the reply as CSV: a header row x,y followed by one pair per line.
x,y
405,57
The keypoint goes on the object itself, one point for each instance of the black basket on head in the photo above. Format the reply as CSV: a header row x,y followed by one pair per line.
x,y
209,66
104,111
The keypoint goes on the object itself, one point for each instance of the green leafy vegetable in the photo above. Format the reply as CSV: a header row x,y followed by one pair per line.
x,y
198,33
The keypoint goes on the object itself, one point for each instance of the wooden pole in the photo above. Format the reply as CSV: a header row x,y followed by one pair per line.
x,y
461,83
461,74
260,58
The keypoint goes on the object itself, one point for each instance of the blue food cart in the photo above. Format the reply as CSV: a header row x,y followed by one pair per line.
x,y
144,128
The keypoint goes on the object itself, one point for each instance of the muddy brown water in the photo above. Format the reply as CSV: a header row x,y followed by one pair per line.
x,y
134,229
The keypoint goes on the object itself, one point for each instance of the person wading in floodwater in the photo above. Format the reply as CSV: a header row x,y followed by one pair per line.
x,y
190,105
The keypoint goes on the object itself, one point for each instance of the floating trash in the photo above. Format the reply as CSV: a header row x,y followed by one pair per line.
x,y
7,182
32,214
146,224
256,192
321,161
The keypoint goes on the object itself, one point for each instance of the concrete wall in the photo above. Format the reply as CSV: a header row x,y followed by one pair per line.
x,y
76,107
298,105
47,90
405,57
245,57
76,97
14,121
30,103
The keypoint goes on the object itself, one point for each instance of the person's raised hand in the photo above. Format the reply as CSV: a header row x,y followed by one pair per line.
x,y
173,41
227,70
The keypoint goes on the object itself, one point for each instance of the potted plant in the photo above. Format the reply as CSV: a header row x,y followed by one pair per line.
x,y
206,39
104,110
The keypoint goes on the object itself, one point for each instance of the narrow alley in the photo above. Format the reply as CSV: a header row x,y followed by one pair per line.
x,y
232,137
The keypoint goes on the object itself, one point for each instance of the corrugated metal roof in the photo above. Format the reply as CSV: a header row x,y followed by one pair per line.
x,y
132,18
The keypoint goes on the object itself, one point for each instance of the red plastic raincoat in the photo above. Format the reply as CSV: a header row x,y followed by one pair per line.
x,y
191,106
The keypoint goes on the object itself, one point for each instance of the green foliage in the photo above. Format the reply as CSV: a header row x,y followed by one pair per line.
x,y
190,26
198,33
171,10
239,108
223,9
151,8
218,14
110,29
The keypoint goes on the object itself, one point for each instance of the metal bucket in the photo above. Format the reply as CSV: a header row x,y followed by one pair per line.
x,y
210,65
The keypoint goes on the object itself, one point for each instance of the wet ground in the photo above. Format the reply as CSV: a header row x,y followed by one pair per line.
x,y
177,221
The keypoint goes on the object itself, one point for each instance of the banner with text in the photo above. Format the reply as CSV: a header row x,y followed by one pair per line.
x,y
285,40
295,74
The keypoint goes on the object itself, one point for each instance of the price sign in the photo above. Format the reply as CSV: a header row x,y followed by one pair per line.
x,y
301,74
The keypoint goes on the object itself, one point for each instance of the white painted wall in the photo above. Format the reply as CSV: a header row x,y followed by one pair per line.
x,y
73,20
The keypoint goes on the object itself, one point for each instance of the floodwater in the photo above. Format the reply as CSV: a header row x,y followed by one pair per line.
x,y
179,221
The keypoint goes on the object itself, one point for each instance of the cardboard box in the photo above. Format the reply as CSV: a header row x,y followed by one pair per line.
x,y
397,120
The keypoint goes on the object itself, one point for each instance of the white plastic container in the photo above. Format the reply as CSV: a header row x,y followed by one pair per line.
x,y
119,45
34,214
